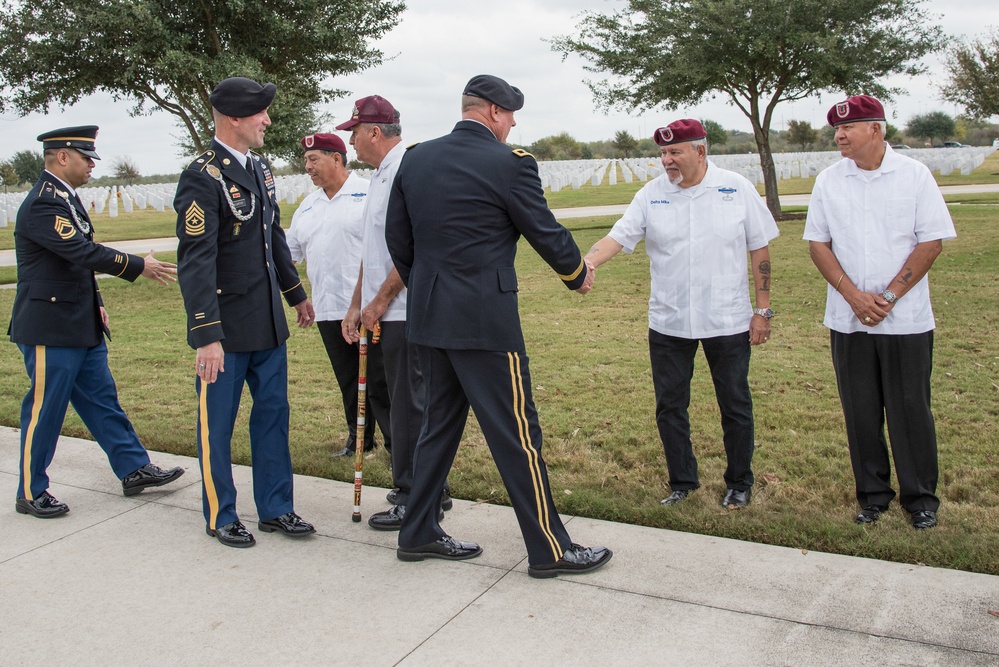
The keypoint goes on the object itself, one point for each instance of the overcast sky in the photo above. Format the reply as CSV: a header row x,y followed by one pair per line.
x,y
440,44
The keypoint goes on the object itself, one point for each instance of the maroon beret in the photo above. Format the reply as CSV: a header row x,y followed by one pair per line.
x,y
372,109
323,142
855,109
679,131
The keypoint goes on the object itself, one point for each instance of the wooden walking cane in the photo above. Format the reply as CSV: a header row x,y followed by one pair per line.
x,y
362,408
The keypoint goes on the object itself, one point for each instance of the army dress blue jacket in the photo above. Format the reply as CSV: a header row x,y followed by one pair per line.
x,y
459,205
233,261
58,301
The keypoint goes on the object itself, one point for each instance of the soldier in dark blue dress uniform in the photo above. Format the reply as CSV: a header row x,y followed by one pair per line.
x,y
459,205
59,324
235,271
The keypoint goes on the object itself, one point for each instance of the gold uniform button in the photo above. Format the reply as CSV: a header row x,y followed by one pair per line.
x,y
52,299
218,291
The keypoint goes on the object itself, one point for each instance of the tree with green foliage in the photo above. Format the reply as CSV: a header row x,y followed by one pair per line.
x,y
757,53
28,165
716,133
169,55
625,143
890,131
800,133
973,69
930,126
125,169
8,175
556,147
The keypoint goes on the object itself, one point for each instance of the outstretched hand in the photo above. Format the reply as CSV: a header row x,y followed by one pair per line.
x,y
161,272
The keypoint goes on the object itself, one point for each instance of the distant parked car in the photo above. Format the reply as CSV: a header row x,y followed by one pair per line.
x,y
954,144
900,147
995,143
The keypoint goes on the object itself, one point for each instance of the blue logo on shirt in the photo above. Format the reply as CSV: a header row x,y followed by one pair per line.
x,y
727,191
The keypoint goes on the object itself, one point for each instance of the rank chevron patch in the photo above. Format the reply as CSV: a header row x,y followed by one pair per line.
x,y
64,228
194,220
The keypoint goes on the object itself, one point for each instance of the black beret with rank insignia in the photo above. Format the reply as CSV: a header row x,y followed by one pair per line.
x,y
496,90
239,97
81,137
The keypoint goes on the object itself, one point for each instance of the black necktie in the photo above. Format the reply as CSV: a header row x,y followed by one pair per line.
x,y
249,165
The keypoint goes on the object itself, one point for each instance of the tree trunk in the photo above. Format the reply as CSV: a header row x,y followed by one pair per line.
x,y
767,164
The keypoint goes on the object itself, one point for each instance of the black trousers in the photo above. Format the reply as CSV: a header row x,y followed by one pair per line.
x,y
888,376
406,392
344,359
497,385
672,369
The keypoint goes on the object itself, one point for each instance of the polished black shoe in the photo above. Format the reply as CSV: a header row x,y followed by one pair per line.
x,y
290,524
350,449
868,514
575,560
147,476
735,499
447,548
677,496
923,519
43,507
391,519
232,534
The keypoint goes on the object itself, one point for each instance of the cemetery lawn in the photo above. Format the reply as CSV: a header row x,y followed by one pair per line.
x,y
593,390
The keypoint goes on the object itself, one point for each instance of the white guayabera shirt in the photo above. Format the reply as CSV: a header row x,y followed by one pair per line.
x,y
874,219
697,240
327,233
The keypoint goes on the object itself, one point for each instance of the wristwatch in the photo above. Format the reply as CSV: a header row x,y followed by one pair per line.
x,y
767,313
889,296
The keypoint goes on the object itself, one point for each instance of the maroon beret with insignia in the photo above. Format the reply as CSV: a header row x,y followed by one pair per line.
x,y
323,142
855,109
679,131
372,109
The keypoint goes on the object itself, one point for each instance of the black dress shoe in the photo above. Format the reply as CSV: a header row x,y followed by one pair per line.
x,y
147,476
391,519
735,499
575,560
923,519
350,449
43,507
869,514
677,496
232,534
447,548
393,496
290,524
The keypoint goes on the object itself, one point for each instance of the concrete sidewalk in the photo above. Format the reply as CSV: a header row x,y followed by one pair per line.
x,y
136,581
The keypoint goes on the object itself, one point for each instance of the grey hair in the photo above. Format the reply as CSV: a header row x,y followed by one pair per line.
x,y
703,141
883,124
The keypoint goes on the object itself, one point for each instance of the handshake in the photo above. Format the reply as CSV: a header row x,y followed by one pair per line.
x,y
591,272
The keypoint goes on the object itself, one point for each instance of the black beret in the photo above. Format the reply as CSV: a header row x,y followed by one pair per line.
x,y
495,90
240,97
81,138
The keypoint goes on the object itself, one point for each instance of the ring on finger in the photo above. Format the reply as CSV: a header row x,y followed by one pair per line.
x,y
867,319
201,367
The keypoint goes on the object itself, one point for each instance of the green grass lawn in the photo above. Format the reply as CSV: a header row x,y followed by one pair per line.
x,y
593,388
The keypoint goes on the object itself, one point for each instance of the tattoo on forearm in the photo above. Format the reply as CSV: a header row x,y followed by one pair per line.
x,y
765,275
906,276
592,251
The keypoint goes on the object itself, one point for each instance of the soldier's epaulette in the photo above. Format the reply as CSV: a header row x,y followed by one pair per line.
x,y
48,190
520,152
202,161
412,145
